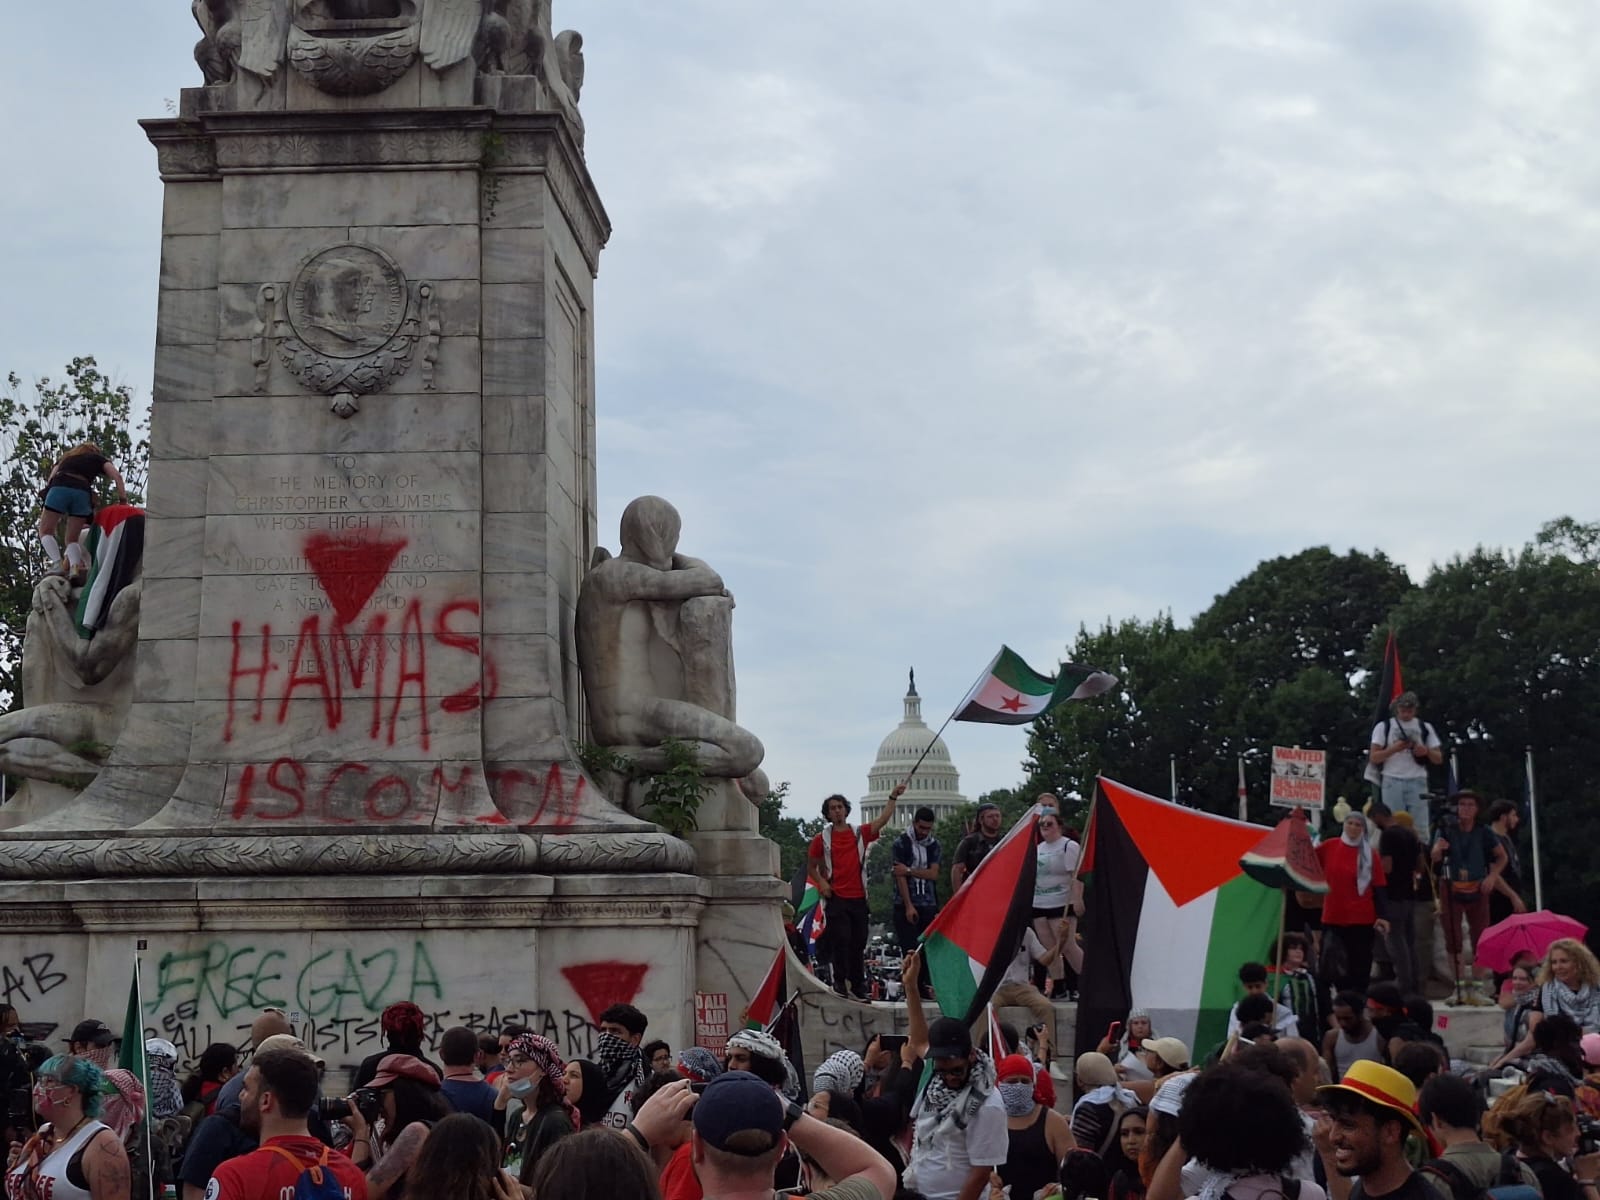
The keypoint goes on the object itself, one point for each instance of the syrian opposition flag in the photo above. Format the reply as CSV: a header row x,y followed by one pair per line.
x,y
116,544
974,938
1010,692
1171,917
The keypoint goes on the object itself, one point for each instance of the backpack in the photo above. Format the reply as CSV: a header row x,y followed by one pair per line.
x,y
1374,773
1508,1186
316,1182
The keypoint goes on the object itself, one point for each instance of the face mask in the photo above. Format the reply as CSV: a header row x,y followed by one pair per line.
x,y
522,1088
1017,1097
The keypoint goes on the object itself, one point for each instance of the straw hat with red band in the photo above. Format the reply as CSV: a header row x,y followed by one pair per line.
x,y
1383,1086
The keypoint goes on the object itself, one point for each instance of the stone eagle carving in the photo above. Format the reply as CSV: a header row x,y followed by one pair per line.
x,y
254,34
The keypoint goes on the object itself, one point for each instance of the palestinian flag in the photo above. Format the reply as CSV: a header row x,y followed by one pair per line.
x,y
1390,683
770,996
975,936
1171,917
1010,692
116,546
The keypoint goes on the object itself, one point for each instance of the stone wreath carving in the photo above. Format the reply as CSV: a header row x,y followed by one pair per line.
x,y
125,857
346,325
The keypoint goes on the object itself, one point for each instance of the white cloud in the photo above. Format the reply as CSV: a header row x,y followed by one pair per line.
x,y
944,330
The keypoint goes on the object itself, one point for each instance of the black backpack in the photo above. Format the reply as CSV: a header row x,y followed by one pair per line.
x,y
1508,1185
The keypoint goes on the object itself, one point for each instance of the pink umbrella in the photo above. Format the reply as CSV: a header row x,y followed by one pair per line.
x,y
1531,932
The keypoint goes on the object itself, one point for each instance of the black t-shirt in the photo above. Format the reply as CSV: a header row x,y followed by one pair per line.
x,y
78,471
1412,1189
1554,1180
1402,848
974,848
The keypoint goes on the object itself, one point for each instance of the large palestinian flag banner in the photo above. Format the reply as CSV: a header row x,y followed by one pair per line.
x,y
116,546
1170,917
972,941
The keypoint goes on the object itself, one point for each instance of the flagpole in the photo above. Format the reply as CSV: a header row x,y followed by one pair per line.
x,y
1533,820
144,1068
1172,760
1244,797
934,742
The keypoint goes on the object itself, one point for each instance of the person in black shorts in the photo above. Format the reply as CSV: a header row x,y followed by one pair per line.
x,y
68,499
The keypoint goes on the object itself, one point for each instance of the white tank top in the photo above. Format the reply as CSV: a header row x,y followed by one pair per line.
x,y
52,1172
1347,1052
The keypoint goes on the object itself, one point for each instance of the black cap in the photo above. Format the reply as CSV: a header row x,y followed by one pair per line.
x,y
94,1032
949,1038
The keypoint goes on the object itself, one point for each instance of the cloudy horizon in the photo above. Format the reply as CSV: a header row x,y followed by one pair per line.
x,y
944,332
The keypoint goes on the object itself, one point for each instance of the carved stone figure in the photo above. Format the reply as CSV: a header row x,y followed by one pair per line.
x,y
655,650
76,691
217,52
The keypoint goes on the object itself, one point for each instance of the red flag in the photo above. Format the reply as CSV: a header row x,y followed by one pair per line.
x,y
1390,683
769,996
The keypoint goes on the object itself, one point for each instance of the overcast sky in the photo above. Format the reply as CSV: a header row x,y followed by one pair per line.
x,y
947,325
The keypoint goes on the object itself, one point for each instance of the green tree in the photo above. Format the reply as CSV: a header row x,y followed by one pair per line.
x,y
38,424
790,834
1503,648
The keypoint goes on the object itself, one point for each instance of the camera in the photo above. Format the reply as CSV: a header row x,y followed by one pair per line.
x,y
368,1101
1588,1135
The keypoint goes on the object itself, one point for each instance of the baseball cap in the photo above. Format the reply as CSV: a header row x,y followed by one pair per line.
x,y
1380,1085
949,1038
94,1032
986,806
740,1114
1168,1049
288,1041
403,1066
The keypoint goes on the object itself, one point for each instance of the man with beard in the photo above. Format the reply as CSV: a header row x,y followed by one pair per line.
x,y
280,1090
1363,1137
976,845
617,1052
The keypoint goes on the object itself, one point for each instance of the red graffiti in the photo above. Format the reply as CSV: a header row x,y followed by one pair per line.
x,y
350,567
331,663
355,793
516,793
601,984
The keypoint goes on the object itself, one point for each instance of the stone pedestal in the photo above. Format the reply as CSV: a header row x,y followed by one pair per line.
x,y
470,950
349,770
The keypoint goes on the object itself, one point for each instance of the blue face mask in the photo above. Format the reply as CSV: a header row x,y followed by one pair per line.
x,y
1017,1097
522,1088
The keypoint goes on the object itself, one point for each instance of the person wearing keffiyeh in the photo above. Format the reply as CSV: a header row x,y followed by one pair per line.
x,y
841,1071
960,1121
1356,903
166,1099
536,1075
699,1064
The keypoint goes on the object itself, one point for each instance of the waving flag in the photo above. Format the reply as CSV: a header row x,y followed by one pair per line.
x,y
974,938
1171,916
1010,692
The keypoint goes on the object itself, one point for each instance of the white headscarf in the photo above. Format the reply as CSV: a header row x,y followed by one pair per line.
x,y
1363,852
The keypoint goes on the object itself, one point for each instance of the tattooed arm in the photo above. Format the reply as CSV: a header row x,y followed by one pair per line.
x,y
396,1161
105,1165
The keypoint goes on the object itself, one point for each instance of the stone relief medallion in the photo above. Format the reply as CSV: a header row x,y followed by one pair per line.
x,y
346,325
347,301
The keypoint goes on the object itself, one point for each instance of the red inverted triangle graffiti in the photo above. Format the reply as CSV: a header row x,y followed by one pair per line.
x,y
601,984
350,567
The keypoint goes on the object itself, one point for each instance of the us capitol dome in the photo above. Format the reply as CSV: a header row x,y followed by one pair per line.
x,y
936,784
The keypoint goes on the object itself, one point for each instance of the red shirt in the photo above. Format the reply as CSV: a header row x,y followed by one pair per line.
x,y
265,1174
848,882
678,1180
1341,906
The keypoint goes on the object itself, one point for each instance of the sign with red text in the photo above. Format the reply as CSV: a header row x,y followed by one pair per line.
x,y
1299,777
711,1021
